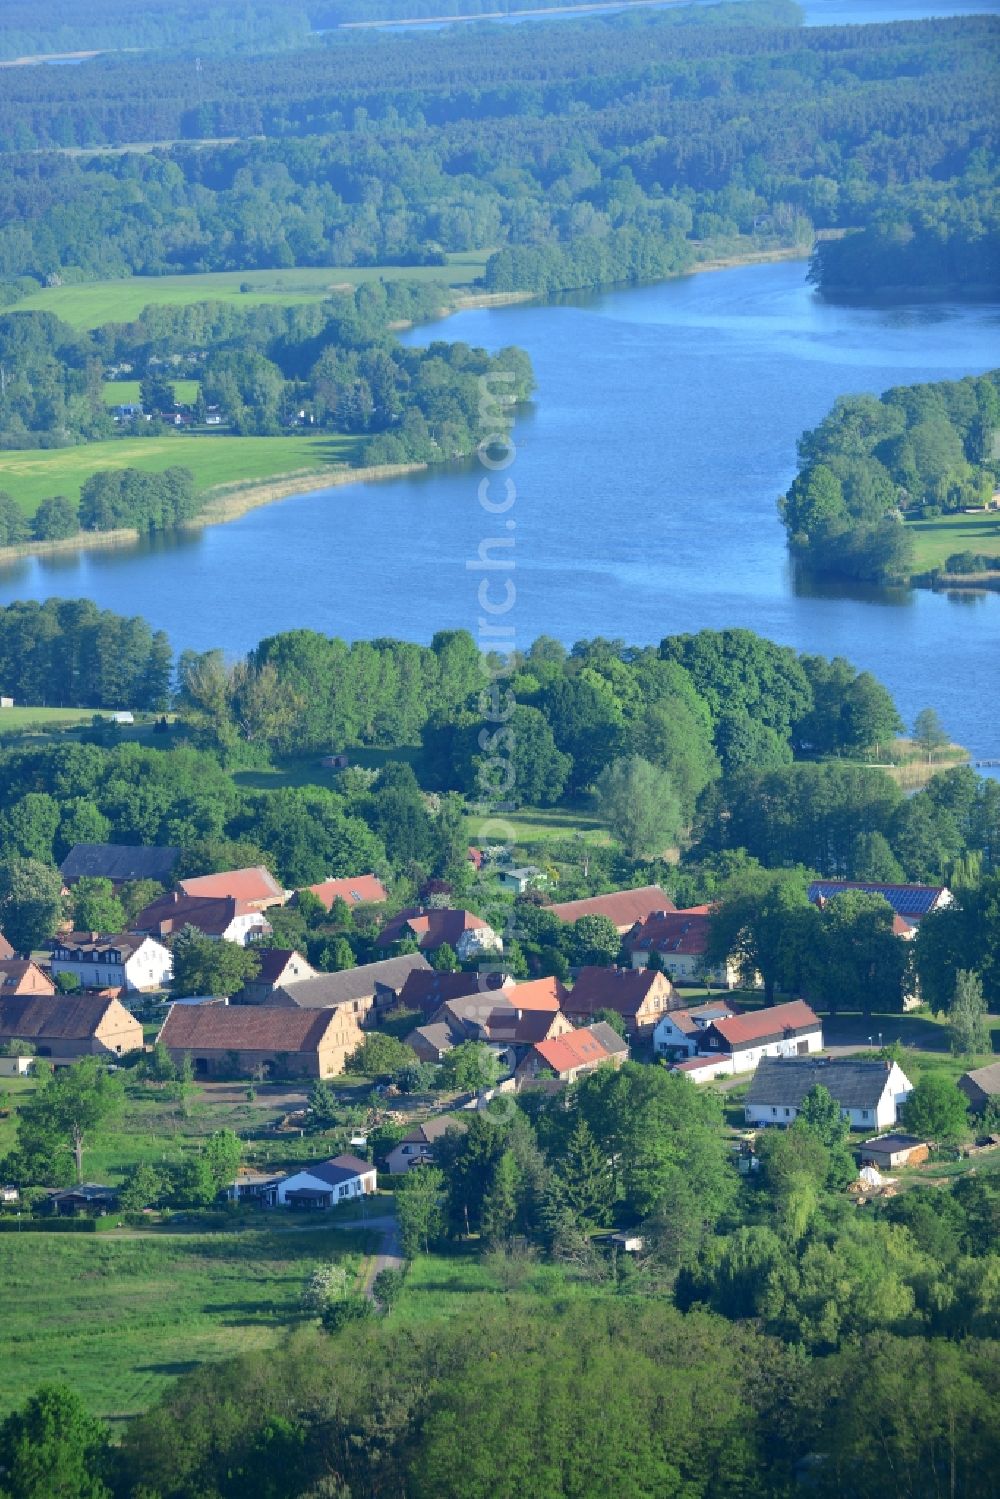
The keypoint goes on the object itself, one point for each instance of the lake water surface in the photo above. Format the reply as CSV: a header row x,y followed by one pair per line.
x,y
646,473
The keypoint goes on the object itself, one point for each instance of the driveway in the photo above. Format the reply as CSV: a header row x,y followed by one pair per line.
x,y
389,1255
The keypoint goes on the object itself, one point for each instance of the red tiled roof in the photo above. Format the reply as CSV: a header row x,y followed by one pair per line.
x,y
6,951
575,1049
623,907
681,932
762,1025
694,1064
432,928
244,1028
621,989
539,994
254,884
360,889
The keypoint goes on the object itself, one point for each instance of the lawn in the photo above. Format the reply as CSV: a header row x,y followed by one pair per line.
x,y
935,540
91,303
24,720
538,825
126,392
119,1316
33,474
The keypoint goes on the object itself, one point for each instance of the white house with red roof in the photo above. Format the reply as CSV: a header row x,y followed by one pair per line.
x,y
433,926
739,1042
570,1056
680,1033
680,941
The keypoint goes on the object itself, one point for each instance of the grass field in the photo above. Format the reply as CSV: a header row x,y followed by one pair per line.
x,y
126,392
23,720
542,824
935,540
33,474
92,303
119,1316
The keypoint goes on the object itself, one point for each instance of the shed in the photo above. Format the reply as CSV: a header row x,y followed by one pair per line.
x,y
894,1150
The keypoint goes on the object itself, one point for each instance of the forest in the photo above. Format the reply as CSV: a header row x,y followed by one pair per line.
x,y
873,463
620,148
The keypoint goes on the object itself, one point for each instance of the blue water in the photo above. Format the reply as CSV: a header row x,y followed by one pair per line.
x,y
815,12
646,474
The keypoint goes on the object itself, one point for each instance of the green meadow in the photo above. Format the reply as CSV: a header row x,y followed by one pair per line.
x,y
935,540
120,1315
32,474
126,392
88,304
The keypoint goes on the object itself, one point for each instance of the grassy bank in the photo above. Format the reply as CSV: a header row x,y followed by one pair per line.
x,y
126,392
32,474
935,540
92,303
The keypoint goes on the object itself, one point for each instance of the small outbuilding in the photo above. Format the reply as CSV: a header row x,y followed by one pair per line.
x,y
888,1151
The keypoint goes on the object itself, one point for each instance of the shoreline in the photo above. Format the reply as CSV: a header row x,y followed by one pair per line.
x,y
228,502
223,502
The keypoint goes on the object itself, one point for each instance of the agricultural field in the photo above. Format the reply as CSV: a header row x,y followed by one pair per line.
x,y
88,304
33,474
935,540
121,1314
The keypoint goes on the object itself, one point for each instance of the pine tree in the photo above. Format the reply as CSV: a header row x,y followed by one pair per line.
x,y
967,1017
584,1172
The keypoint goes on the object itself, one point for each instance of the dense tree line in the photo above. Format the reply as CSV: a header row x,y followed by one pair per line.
x,y
613,141
916,450
943,239
334,365
70,654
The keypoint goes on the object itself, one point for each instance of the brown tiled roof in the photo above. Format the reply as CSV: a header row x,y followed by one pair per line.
x,y
427,990
6,951
623,907
769,1024
125,943
274,961
244,1028
575,1049
14,972
687,1020
171,913
431,927
360,889
521,1027
61,1017
253,884
681,932
621,989
433,1129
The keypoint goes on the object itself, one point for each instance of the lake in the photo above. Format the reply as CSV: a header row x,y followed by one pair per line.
x,y
647,471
